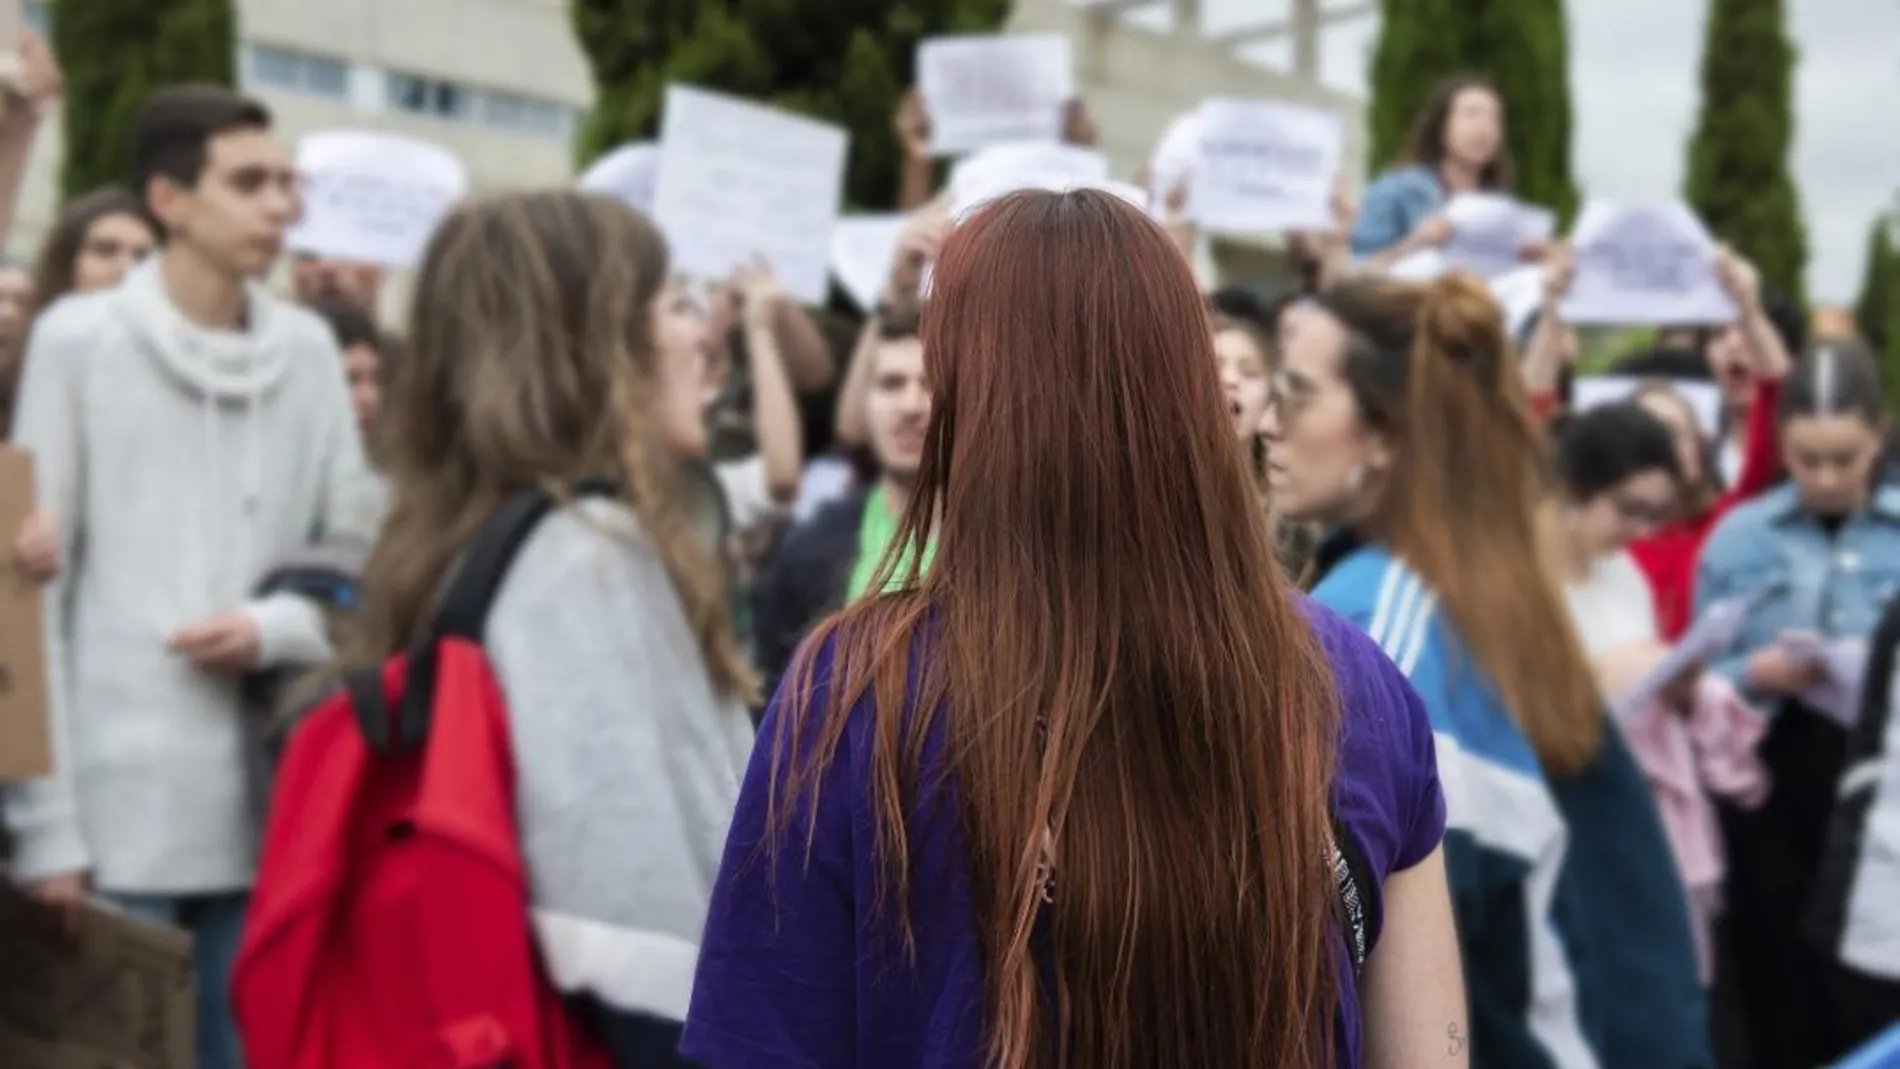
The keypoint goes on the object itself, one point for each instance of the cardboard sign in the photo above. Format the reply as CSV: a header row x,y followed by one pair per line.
x,y
26,750
119,996
1651,264
1265,165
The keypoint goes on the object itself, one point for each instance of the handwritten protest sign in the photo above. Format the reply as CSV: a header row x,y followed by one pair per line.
x,y
25,734
118,995
1712,633
373,197
626,174
983,90
1489,232
1265,165
738,179
863,248
1644,264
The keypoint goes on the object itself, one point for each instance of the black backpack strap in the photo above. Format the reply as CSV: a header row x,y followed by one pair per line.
x,y
463,611
1354,880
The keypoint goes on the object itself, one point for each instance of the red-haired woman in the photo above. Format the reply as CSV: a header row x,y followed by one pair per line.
x,y
1082,792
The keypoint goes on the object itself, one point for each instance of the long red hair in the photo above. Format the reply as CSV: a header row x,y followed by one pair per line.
x,y
1111,657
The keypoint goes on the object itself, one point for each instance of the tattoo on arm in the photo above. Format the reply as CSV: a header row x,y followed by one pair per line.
x,y
1455,1042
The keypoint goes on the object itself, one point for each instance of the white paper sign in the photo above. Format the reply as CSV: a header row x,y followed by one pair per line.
x,y
372,197
1843,666
1644,264
1001,169
1704,398
626,174
863,249
738,179
1712,632
983,90
1265,165
1490,230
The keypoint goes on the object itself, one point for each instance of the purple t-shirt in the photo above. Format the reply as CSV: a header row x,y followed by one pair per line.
x,y
805,974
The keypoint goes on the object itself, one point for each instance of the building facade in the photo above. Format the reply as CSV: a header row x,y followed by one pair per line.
x,y
501,83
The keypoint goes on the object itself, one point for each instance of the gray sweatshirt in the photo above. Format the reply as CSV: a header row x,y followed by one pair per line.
x,y
180,463
627,762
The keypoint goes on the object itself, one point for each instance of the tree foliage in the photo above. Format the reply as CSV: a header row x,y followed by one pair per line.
x,y
1877,312
1521,45
844,61
1738,178
115,52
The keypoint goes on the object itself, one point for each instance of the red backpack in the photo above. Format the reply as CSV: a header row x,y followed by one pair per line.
x,y
389,926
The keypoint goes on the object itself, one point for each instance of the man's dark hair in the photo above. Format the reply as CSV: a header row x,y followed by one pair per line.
x,y
171,136
900,320
351,325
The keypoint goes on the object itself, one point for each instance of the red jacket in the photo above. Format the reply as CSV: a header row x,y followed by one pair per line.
x,y
1669,556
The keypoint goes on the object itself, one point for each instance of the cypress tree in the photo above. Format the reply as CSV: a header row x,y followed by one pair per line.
x,y
1880,282
1521,45
1738,178
115,52
843,61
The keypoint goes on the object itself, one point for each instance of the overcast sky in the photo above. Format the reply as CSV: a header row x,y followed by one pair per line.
x,y
1633,85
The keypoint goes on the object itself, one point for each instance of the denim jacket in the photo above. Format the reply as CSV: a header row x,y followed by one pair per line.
x,y
1393,206
1772,549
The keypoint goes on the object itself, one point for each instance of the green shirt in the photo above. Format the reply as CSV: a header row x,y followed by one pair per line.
x,y
875,533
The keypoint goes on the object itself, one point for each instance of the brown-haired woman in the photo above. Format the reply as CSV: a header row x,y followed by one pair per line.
x,y
546,345
1065,797
1398,419
1456,145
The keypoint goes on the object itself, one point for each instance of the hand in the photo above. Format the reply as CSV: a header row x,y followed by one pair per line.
x,y
36,550
1777,670
1430,233
1679,693
916,247
1344,205
1175,206
1078,126
1738,278
913,126
757,290
40,81
65,895
1560,269
1534,251
222,645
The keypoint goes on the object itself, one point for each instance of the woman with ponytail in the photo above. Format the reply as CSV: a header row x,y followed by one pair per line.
x,y
1080,794
1398,420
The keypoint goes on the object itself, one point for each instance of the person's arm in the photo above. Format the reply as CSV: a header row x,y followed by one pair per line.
x,y
1761,449
852,428
775,419
1413,990
40,84
917,172
802,347
1396,220
50,424
1543,361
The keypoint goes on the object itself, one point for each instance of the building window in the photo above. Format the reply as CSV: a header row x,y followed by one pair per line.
x,y
526,115
37,18
297,72
428,96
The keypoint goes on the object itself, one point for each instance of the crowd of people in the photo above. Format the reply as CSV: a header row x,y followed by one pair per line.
x,y
1059,665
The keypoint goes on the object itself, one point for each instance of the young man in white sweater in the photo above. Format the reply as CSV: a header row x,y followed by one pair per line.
x,y
188,429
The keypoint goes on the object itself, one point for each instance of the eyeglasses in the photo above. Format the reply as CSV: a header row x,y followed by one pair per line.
x,y
1289,393
1647,513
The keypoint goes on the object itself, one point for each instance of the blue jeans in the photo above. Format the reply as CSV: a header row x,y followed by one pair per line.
x,y
215,922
